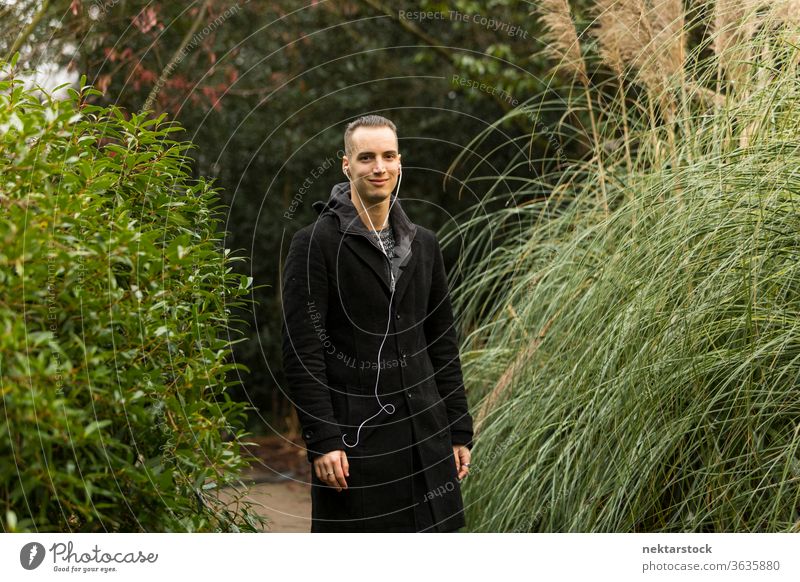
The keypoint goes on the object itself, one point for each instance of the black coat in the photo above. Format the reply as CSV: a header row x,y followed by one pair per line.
x,y
336,303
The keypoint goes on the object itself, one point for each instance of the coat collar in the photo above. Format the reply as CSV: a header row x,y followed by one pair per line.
x,y
340,206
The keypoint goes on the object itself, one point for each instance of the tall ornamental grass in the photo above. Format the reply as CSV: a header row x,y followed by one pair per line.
x,y
632,333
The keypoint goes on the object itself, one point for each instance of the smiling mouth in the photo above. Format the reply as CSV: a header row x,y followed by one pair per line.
x,y
379,182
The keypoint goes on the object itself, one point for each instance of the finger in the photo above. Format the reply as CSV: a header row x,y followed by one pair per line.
x,y
327,470
345,465
464,456
458,459
318,470
338,476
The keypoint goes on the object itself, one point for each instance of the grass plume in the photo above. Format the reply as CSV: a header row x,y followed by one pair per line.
x,y
636,366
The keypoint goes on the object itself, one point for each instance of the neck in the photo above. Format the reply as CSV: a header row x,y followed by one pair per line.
x,y
377,212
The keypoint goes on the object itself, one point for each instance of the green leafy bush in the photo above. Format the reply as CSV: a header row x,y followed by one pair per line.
x,y
114,320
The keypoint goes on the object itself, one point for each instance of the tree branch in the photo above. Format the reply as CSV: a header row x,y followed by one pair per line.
x,y
444,52
26,32
177,57
409,26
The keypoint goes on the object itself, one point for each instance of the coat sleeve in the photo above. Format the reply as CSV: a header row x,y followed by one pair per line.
x,y
305,306
440,334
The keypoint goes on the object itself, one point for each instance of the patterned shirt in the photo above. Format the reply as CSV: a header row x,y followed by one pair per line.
x,y
387,238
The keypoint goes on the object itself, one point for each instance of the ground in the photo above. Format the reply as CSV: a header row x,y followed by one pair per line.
x,y
279,483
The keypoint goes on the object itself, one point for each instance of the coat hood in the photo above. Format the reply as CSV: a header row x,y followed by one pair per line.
x,y
340,206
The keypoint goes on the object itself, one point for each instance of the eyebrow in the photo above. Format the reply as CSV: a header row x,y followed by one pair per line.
x,y
386,152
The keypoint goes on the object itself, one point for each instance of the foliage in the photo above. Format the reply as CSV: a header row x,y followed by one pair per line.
x,y
265,89
634,350
115,319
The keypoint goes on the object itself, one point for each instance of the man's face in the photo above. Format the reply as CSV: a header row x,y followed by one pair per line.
x,y
374,166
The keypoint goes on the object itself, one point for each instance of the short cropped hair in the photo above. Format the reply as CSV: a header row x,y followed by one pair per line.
x,y
365,121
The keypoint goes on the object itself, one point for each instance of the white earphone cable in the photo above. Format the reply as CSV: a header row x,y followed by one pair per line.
x,y
389,320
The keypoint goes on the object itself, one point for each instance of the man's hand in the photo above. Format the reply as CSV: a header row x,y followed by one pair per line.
x,y
462,455
332,468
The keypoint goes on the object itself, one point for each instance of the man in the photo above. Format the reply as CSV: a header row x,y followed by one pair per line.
x,y
371,356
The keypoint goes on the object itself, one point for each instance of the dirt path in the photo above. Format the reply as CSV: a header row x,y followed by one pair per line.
x,y
286,505
279,480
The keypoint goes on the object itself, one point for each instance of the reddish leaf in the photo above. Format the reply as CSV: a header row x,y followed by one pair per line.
x,y
103,83
145,20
